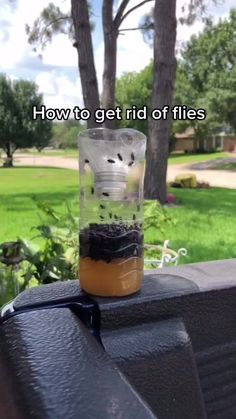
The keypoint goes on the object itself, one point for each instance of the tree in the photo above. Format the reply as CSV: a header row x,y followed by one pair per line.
x,y
161,23
162,94
65,134
17,129
135,89
78,25
111,31
42,134
164,34
208,66
83,43
187,94
206,78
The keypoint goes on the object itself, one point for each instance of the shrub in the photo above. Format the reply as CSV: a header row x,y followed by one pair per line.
x,y
171,199
187,180
203,185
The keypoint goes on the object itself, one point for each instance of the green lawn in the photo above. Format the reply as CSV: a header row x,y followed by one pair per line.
x,y
18,211
205,221
182,158
226,166
205,224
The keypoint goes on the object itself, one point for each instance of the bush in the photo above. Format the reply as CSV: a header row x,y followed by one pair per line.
x,y
55,259
203,185
171,199
187,180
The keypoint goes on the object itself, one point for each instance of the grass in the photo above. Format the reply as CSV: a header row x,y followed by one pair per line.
x,y
205,224
226,166
19,186
205,221
182,158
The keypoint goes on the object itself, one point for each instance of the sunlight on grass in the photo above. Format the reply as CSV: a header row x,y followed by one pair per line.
x,y
205,219
182,158
205,224
226,166
19,187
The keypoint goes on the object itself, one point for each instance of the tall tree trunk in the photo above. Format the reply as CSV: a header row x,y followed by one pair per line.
x,y
110,32
163,86
80,16
9,160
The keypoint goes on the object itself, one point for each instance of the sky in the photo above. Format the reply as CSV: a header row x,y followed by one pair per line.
x,y
56,73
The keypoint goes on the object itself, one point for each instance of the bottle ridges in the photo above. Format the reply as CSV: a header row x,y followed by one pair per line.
x,y
111,241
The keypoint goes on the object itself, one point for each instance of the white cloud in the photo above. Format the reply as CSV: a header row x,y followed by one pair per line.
x,y
14,49
59,91
18,60
45,81
60,52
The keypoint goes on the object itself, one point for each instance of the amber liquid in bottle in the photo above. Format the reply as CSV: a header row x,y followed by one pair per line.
x,y
111,259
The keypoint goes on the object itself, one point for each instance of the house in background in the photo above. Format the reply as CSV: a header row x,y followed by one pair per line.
x,y
186,142
229,142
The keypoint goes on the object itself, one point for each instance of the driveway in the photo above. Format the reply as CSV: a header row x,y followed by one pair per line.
x,y
46,161
221,178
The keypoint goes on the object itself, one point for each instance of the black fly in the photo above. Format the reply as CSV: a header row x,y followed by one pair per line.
x,y
120,157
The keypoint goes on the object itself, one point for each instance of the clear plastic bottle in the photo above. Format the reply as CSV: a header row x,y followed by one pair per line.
x,y
111,211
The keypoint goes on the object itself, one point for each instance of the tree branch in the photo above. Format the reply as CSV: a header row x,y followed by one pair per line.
x,y
136,29
57,20
123,17
119,14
